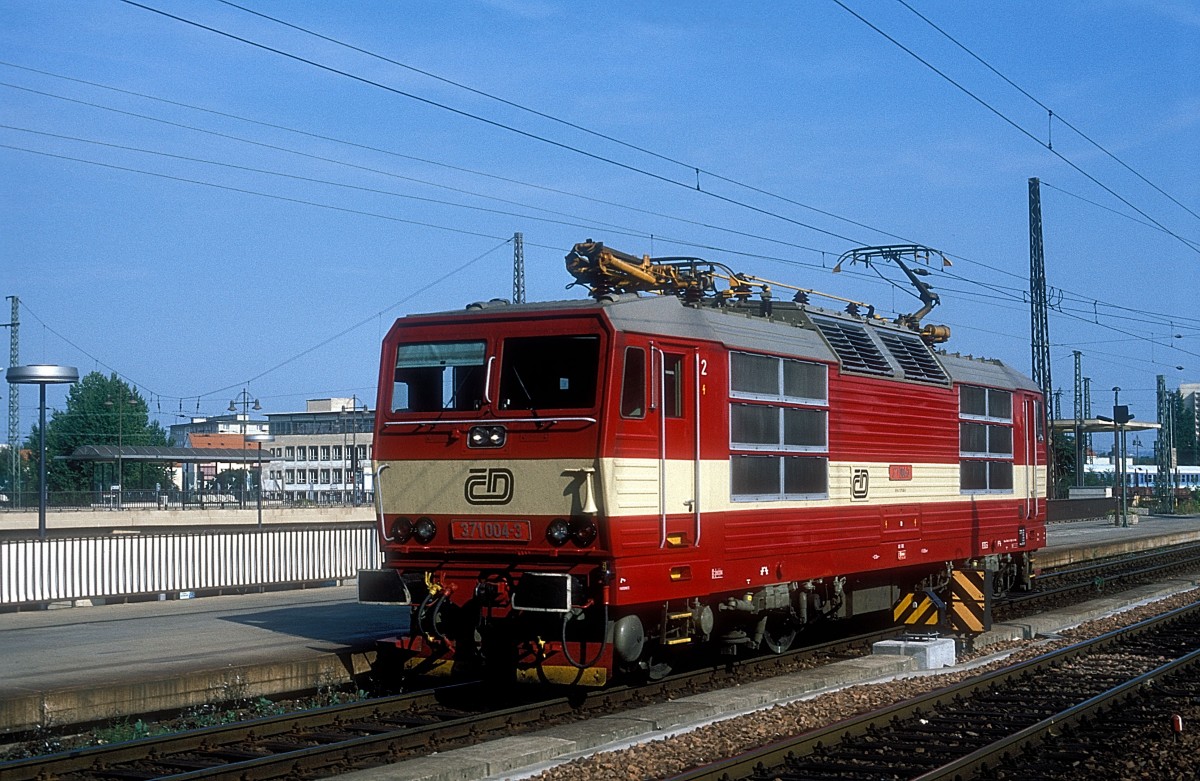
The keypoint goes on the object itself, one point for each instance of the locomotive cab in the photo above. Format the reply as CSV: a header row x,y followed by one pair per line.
x,y
488,505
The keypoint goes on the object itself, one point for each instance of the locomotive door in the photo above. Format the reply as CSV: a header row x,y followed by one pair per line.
x,y
677,398
1034,428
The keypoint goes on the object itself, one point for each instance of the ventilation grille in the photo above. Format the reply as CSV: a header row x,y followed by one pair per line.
x,y
854,347
914,357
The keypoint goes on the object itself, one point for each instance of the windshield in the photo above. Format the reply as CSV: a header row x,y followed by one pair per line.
x,y
549,372
439,376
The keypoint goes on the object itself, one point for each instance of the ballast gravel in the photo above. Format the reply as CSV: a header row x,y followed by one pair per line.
x,y
670,756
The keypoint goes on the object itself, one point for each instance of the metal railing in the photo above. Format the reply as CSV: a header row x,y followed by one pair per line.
x,y
75,568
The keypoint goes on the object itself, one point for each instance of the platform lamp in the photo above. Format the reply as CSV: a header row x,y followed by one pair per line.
x,y
260,439
42,374
243,398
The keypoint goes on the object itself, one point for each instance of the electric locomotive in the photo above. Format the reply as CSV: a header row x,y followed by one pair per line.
x,y
574,490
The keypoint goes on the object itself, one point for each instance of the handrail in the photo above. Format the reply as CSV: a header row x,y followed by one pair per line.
x,y
488,421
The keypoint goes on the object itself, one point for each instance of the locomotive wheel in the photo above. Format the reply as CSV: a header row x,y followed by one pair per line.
x,y
779,634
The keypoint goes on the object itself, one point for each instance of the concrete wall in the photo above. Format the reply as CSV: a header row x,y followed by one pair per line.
x,y
80,521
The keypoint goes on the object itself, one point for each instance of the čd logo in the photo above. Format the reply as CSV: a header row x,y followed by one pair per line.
x,y
489,486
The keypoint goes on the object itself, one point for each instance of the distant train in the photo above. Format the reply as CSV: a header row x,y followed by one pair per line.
x,y
574,490
1143,477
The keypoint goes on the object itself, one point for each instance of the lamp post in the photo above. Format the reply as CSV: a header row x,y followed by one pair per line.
x,y
1119,450
243,398
260,439
42,375
120,440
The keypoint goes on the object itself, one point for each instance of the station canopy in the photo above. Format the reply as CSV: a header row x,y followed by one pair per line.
x,y
169,455
1097,426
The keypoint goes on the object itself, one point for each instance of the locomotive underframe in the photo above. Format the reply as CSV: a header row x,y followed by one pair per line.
x,y
561,627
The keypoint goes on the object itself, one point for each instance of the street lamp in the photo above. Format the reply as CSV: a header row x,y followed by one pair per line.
x,y
42,375
260,439
243,398
120,441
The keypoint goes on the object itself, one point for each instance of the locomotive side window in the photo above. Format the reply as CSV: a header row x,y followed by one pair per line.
x,y
985,439
777,412
672,385
439,376
633,384
549,372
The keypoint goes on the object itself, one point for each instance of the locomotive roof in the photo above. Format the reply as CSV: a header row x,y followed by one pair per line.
x,y
786,332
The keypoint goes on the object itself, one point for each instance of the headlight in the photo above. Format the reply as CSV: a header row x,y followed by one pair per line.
x,y
583,531
425,529
558,532
486,436
402,529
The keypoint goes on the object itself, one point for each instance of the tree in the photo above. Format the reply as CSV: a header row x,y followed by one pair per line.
x,y
1063,452
235,482
99,411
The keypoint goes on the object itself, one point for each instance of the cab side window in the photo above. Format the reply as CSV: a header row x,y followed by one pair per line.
x,y
633,384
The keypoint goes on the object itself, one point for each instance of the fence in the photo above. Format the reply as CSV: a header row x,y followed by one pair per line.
x,y
70,568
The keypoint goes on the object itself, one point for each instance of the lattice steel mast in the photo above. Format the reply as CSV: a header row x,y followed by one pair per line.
x,y
1039,315
1164,449
1079,418
518,269
14,399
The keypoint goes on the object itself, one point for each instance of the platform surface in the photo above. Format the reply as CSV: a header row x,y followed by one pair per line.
x,y
1068,543
75,664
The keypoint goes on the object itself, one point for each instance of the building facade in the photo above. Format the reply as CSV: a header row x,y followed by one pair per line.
x,y
220,431
323,454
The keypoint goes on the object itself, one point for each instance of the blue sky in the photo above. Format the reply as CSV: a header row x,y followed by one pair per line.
x,y
268,240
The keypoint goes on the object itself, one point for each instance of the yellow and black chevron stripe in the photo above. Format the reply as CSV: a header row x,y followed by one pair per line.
x,y
918,608
970,603
969,609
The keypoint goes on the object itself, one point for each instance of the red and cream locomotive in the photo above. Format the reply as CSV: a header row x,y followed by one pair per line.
x,y
572,490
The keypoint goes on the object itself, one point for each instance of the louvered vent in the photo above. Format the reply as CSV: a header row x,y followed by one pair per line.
x,y
913,356
854,347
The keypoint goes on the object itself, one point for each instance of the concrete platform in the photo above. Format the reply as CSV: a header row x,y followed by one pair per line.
x,y
70,665
1082,541
84,664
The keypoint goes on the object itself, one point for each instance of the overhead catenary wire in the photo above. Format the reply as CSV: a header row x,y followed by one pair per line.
x,y
720,177
368,148
1050,112
1017,126
888,234
491,122
424,160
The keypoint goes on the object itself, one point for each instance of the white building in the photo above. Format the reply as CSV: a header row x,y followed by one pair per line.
x,y
323,454
227,431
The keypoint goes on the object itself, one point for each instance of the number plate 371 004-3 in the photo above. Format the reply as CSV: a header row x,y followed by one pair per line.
x,y
491,531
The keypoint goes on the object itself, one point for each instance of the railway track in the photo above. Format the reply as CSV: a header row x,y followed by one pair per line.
x,y
318,743
1072,584
338,738
988,722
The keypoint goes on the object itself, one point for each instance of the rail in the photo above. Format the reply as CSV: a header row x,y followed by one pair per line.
x,y
126,565
374,732
954,732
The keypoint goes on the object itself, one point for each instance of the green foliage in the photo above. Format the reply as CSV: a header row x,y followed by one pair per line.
x,y
99,411
234,481
121,731
1064,463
